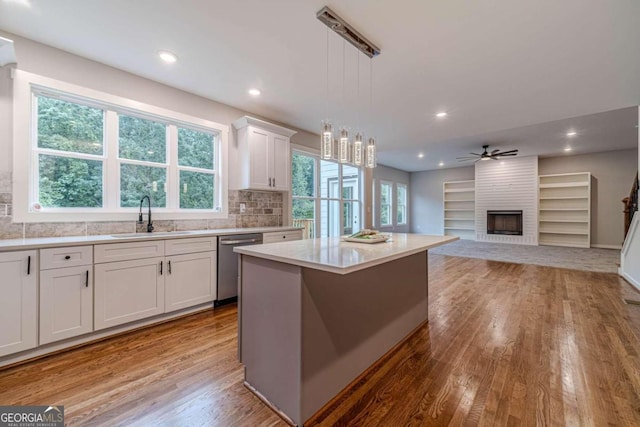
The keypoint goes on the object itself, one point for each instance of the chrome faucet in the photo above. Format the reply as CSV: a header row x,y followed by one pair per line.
x,y
140,221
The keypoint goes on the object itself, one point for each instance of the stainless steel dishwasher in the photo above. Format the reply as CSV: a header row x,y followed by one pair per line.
x,y
228,264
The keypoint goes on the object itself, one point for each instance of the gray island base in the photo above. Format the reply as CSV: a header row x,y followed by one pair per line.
x,y
315,314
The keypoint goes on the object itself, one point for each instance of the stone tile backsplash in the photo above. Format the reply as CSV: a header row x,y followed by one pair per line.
x,y
262,209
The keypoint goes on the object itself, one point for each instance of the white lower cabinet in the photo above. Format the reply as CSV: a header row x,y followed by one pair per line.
x,y
66,293
66,303
190,280
128,290
18,305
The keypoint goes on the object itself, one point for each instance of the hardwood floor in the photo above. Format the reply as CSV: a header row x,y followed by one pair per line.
x,y
506,344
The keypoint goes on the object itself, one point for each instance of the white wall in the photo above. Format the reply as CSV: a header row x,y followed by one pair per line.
x,y
396,176
612,176
425,195
510,184
57,64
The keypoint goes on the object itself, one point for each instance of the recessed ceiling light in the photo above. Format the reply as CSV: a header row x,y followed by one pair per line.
x,y
567,149
441,164
421,155
254,92
441,114
167,57
572,133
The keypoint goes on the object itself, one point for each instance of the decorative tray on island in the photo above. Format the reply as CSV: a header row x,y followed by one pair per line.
x,y
367,236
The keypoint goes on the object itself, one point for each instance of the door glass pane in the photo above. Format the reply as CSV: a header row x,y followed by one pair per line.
x,y
195,149
69,183
351,217
350,182
303,175
329,185
196,190
137,181
142,139
304,216
329,218
67,126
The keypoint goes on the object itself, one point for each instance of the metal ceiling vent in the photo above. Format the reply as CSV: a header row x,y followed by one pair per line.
x,y
350,34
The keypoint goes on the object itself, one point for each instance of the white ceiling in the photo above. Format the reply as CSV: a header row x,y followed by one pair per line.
x,y
509,73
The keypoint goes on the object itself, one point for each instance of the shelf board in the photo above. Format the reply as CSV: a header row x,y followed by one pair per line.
x,y
569,245
460,190
460,210
566,209
575,233
461,200
460,228
564,198
459,219
581,221
565,185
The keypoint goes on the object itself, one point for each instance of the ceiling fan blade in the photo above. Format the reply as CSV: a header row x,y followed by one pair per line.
x,y
507,155
507,152
476,154
495,151
466,158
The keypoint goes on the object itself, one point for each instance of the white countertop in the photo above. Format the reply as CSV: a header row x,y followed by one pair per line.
x,y
45,242
335,256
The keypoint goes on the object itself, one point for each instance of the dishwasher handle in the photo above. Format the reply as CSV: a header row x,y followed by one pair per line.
x,y
237,242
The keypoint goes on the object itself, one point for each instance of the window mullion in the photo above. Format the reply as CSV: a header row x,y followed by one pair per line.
x,y
111,169
173,178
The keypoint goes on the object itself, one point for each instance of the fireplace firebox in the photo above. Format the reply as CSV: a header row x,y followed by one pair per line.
x,y
504,222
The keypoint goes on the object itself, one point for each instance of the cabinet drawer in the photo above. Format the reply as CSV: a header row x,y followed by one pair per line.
x,y
72,256
281,236
188,246
126,251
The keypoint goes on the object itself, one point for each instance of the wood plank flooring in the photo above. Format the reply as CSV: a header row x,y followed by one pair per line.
x,y
506,344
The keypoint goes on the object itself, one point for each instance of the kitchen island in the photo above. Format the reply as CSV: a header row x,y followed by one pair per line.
x,y
315,314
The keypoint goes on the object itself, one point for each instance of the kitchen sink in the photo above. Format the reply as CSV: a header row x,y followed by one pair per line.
x,y
147,235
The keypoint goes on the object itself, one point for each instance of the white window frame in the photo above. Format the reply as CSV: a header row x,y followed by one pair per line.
x,y
398,205
26,85
391,205
318,197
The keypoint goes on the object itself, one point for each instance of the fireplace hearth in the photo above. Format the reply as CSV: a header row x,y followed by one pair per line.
x,y
504,222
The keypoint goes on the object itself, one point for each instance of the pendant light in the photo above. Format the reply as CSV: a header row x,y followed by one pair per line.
x,y
371,144
357,150
326,140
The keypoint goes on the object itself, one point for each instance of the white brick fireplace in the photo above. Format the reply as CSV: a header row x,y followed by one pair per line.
x,y
508,185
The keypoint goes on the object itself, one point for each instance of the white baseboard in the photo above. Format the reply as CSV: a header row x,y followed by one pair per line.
x,y
629,279
618,247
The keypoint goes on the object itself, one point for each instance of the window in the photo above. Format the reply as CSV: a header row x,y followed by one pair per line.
x,y
386,216
401,204
326,196
92,156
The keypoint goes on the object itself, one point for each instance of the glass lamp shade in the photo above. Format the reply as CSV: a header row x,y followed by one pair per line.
x,y
371,153
343,146
326,141
357,150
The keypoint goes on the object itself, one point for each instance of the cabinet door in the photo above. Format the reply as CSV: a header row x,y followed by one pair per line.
x,y
280,165
260,156
190,280
128,290
18,326
66,303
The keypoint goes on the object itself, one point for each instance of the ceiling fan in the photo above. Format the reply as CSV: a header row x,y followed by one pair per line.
x,y
494,155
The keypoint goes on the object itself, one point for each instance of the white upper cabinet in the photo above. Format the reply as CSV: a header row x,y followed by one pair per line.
x,y
263,155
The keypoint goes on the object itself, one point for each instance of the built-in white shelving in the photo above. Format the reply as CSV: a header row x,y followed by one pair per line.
x,y
459,209
565,209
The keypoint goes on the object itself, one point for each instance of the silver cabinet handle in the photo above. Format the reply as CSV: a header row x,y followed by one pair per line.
x,y
235,242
